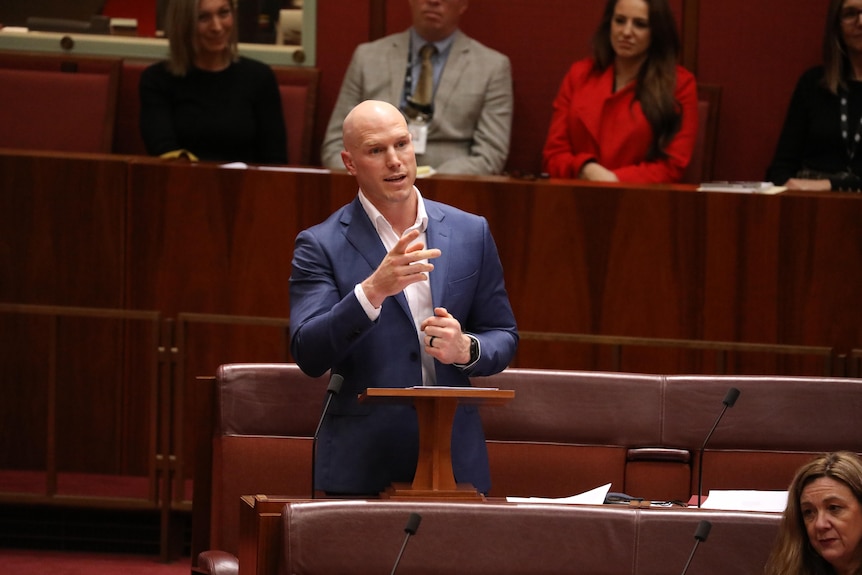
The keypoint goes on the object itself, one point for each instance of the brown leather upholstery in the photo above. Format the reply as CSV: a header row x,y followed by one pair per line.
x,y
564,432
217,563
777,424
499,539
266,415
574,426
738,542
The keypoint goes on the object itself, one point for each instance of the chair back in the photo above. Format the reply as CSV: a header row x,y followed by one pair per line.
x,y
127,131
57,102
258,440
298,87
702,158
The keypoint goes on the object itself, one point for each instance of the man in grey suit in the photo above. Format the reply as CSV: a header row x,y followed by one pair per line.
x,y
466,128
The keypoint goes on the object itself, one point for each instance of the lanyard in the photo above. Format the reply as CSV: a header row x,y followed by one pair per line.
x,y
408,76
851,144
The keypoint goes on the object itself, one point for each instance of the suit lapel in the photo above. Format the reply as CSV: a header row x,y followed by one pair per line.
x,y
456,64
397,63
360,233
439,236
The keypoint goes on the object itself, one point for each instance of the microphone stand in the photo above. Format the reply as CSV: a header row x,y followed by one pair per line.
x,y
700,534
728,401
332,389
409,529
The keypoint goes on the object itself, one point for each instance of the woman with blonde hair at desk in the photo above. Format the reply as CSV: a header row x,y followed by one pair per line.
x,y
628,113
821,530
206,101
819,144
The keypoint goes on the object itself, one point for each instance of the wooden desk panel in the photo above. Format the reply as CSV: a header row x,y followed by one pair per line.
x,y
674,263
61,228
613,260
62,244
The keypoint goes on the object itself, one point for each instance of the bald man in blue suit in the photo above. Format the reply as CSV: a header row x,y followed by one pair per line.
x,y
394,290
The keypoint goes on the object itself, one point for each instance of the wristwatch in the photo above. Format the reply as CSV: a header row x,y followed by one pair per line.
x,y
474,352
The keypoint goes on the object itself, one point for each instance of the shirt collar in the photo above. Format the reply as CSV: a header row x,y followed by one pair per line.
x,y
417,41
380,222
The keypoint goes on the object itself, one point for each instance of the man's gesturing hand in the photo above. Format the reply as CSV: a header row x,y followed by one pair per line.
x,y
403,265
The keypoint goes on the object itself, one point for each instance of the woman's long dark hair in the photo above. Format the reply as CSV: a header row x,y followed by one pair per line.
x,y
657,77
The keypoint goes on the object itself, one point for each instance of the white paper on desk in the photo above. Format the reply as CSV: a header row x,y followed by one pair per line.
x,y
592,497
295,170
746,500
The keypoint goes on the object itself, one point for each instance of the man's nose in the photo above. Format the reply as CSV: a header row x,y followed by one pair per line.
x,y
392,158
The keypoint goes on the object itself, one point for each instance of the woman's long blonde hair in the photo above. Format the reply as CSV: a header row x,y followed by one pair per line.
x,y
181,21
792,553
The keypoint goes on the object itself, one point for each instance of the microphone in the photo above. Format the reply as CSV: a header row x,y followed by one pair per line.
x,y
333,388
700,534
409,529
728,401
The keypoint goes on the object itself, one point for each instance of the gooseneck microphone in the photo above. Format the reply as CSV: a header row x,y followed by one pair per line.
x,y
409,529
332,389
700,534
729,399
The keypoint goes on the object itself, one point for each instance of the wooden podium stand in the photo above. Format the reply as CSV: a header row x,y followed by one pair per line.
x,y
435,409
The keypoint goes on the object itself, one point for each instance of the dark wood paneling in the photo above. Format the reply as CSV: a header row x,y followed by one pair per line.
x,y
62,243
210,240
61,229
672,263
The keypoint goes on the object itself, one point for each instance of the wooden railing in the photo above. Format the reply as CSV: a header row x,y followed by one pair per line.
x,y
727,358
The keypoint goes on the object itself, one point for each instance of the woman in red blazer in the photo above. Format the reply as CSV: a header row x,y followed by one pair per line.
x,y
629,113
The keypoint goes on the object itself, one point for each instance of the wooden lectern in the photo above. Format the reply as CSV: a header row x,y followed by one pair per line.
x,y
435,409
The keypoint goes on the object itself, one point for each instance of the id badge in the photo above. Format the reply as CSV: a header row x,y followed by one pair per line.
x,y
419,131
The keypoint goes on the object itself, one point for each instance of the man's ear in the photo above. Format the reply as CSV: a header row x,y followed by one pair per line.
x,y
348,162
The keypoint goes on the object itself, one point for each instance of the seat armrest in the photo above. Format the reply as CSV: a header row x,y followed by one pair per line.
x,y
214,562
658,454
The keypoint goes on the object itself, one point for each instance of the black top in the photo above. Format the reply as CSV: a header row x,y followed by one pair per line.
x,y
811,137
229,116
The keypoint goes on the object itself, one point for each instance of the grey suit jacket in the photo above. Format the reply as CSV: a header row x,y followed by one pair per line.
x,y
473,103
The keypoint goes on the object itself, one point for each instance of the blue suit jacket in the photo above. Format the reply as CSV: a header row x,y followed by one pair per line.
x,y
363,448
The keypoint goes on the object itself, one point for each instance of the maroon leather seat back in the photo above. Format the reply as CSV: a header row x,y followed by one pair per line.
x,y
266,417
298,87
469,539
574,426
127,131
57,103
738,542
777,424
500,539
